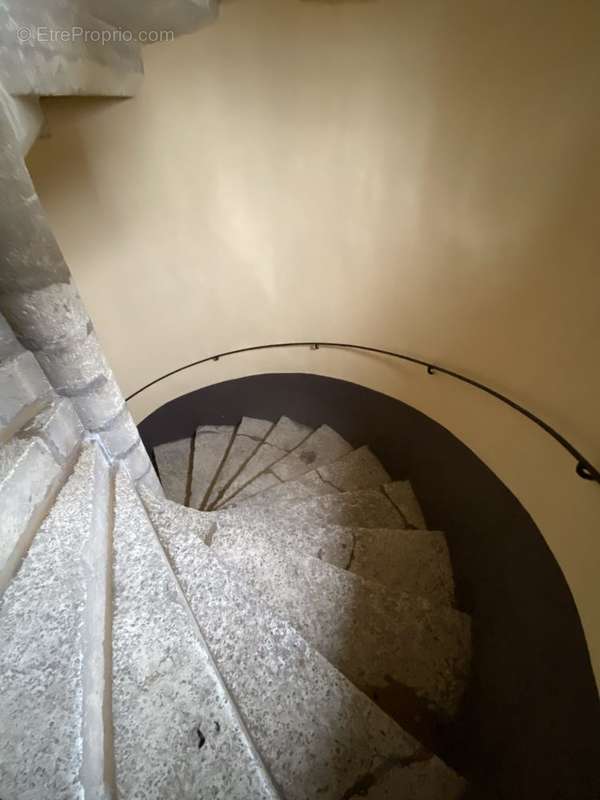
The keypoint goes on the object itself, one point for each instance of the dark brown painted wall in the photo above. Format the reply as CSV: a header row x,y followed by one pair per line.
x,y
530,725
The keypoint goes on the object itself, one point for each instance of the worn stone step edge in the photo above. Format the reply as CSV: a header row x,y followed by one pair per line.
x,y
25,388
183,703
348,548
250,433
59,744
34,465
263,658
421,646
174,463
363,508
283,438
399,494
210,447
358,469
323,446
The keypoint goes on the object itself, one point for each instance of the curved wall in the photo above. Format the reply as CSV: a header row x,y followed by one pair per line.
x,y
416,176
530,726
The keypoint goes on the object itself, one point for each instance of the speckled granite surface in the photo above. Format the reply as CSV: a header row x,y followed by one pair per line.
x,y
403,497
347,619
320,736
177,733
283,437
359,469
249,435
331,543
365,508
410,561
210,445
41,657
321,447
173,462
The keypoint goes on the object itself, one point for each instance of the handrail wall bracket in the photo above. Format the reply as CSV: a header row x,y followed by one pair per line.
x,y
584,468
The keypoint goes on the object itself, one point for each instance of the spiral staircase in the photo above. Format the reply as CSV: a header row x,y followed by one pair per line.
x,y
280,625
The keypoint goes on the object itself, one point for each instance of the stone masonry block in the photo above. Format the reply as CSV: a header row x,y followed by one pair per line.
x,y
100,405
59,427
47,318
22,382
121,435
138,461
28,471
76,366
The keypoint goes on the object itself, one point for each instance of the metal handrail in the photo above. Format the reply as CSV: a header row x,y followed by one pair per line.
x,y
584,468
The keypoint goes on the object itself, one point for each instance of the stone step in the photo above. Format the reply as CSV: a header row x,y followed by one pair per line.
x,y
176,731
261,483
320,736
51,659
25,388
322,447
33,465
364,508
173,461
404,561
413,561
387,644
403,497
201,523
359,469
210,446
282,439
330,543
249,435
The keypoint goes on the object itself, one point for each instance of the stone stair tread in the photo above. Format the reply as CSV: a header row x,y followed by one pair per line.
x,y
404,498
32,465
249,435
331,543
322,447
267,489
173,463
403,561
422,779
359,469
176,730
260,484
348,619
413,561
278,492
319,735
23,384
282,439
201,523
210,445
363,508
41,675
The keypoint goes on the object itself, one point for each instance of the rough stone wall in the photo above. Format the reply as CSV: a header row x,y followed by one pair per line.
x,y
64,47
177,16
56,47
43,307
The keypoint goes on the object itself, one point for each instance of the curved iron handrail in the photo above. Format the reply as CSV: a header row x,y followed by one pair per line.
x,y
584,468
